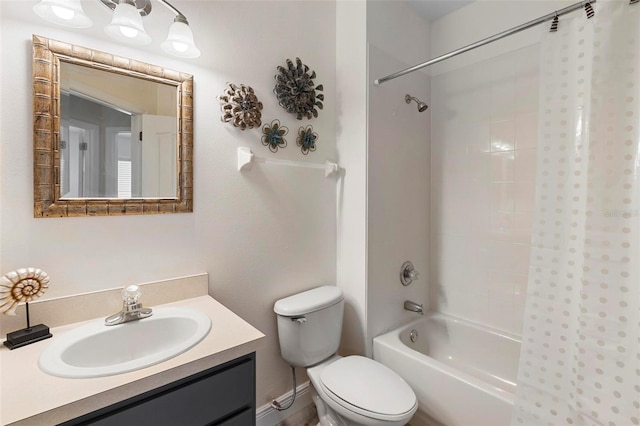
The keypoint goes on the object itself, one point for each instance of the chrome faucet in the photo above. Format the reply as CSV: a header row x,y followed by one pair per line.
x,y
413,307
132,309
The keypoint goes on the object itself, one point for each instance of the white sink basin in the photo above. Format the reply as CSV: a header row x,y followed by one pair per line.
x,y
96,350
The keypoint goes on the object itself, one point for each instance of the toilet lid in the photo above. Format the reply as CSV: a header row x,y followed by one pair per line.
x,y
368,385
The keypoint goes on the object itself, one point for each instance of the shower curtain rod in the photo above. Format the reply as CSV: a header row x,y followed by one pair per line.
x,y
487,40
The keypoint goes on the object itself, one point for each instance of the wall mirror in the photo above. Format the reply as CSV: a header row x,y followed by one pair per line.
x,y
112,136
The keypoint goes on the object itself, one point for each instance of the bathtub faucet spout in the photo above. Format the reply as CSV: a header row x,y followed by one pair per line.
x,y
413,307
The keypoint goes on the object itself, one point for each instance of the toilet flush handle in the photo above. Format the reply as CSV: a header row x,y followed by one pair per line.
x,y
299,319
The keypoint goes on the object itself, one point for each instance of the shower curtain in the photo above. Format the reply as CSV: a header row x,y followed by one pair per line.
x,y
580,359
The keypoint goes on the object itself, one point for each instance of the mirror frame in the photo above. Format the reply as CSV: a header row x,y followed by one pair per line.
x,y
47,54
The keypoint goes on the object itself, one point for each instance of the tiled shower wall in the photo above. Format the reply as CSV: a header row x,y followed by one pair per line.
x,y
483,161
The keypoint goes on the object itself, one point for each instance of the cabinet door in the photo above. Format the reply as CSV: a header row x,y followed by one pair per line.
x,y
202,401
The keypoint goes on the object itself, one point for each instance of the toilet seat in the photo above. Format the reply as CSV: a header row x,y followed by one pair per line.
x,y
366,387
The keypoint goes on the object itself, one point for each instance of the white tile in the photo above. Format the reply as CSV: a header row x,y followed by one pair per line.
x,y
503,97
522,226
478,211
503,167
501,313
503,196
524,195
525,167
467,305
499,282
479,136
526,130
454,256
520,258
485,158
500,255
479,167
527,60
503,88
520,286
519,307
478,307
527,79
503,135
502,225
527,92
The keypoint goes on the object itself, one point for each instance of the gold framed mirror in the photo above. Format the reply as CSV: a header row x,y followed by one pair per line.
x,y
111,135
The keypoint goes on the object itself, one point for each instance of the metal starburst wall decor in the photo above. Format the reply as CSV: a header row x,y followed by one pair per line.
x,y
241,107
273,135
296,91
306,139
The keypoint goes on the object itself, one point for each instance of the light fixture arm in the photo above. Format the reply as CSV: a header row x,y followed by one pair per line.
x,y
179,16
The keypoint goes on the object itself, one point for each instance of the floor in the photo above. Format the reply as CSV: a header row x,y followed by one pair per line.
x,y
305,417
308,416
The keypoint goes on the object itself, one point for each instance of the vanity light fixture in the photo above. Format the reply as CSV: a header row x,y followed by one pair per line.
x,y
126,24
180,42
63,12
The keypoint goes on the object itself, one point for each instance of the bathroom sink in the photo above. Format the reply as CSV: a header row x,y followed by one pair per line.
x,y
96,350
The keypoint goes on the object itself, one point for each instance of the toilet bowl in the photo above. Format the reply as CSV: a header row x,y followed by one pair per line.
x,y
360,391
352,390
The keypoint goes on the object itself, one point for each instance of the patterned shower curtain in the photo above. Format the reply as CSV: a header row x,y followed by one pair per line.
x,y
580,359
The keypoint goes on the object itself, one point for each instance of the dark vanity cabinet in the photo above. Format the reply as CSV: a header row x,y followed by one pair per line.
x,y
222,395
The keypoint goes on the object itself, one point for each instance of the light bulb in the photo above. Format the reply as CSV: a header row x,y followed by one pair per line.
x,y
126,25
63,12
129,32
180,47
179,41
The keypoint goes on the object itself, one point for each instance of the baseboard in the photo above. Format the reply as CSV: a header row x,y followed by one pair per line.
x,y
268,416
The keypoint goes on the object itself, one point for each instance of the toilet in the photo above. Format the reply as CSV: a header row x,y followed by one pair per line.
x,y
352,390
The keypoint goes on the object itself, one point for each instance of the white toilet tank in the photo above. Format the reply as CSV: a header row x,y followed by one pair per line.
x,y
310,325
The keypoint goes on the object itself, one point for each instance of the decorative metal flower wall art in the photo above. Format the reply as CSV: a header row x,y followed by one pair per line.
x,y
241,107
273,135
296,91
306,139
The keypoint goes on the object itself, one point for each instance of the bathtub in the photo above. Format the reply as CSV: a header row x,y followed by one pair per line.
x,y
463,374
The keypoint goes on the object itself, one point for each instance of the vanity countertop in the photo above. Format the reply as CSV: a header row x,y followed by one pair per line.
x,y
31,397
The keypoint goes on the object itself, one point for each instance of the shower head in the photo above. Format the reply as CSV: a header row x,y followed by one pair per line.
x,y
421,105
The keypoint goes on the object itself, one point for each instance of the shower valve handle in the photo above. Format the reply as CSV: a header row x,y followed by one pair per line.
x,y
408,273
412,275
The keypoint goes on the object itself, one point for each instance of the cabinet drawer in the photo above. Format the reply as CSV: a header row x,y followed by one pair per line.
x,y
200,402
246,418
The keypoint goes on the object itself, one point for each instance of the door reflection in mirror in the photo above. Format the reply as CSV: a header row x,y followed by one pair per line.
x,y
116,143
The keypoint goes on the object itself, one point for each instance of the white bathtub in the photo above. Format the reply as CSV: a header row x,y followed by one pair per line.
x,y
463,374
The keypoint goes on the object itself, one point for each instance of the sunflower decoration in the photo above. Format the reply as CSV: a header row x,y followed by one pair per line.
x,y
296,91
241,107
273,135
306,139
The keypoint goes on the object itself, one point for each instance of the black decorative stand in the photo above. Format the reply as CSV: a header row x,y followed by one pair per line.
x,y
26,336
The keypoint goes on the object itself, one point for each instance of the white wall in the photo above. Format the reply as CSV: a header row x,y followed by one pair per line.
x,y
261,234
485,109
398,165
351,141
384,145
